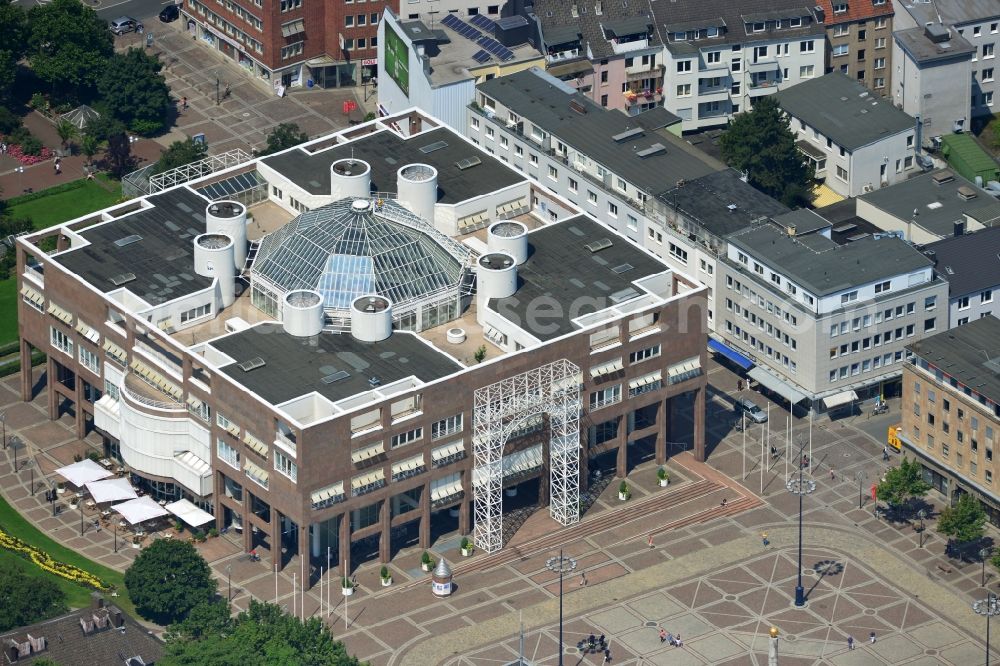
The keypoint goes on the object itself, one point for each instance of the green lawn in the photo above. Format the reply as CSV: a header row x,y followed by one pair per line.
x,y
76,595
8,310
13,523
46,211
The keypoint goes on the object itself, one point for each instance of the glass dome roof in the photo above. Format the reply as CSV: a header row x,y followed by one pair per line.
x,y
348,248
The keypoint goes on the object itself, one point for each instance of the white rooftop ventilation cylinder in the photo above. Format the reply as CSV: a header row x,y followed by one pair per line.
x,y
496,277
510,237
302,313
350,178
213,258
417,189
229,218
371,318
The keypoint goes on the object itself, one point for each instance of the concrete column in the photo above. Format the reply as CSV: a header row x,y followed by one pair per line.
x,y
218,491
50,381
662,431
27,373
699,425
546,479
81,417
304,554
275,536
314,540
621,469
465,517
584,469
344,565
385,542
425,517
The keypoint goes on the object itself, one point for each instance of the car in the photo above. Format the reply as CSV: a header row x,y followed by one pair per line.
x,y
123,24
170,13
751,409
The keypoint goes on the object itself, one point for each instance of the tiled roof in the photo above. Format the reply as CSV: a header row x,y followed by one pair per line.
x,y
557,15
857,10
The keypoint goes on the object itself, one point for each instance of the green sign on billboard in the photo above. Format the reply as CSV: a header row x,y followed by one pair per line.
x,y
397,59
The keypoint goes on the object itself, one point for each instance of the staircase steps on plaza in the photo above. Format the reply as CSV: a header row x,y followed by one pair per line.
x,y
733,508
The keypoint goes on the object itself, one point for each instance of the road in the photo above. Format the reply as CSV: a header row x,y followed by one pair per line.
x,y
144,10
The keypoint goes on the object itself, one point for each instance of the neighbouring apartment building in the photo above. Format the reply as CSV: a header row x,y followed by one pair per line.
x,y
292,43
856,141
859,41
975,29
351,365
951,411
970,263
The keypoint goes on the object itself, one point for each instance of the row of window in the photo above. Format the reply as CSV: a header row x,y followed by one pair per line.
x,y
864,321
226,26
761,324
985,296
761,346
942,378
351,21
876,340
867,365
764,304
242,13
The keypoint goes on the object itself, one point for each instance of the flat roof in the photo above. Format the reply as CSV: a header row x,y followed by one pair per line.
x,y
843,110
823,267
386,152
562,279
295,366
160,257
590,129
970,263
803,220
922,50
707,201
938,204
970,353
951,11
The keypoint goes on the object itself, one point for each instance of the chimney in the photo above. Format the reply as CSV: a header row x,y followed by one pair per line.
x,y
959,228
12,651
574,11
96,600
117,617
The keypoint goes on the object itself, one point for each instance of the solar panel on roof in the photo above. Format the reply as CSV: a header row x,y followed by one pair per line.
x,y
481,57
483,22
252,364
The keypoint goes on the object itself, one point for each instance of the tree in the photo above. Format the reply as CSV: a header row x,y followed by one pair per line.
x,y
104,126
67,45
67,132
903,483
761,143
964,521
284,136
119,158
135,92
13,25
168,579
263,634
26,600
180,153
88,146
206,619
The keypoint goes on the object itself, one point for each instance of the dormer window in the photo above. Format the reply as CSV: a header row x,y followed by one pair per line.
x,y
795,23
840,8
757,27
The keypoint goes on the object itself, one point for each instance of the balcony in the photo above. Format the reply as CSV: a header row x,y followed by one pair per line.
x,y
620,46
762,87
138,391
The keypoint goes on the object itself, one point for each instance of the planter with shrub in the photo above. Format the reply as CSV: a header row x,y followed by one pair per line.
x,y
624,492
386,576
663,477
466,547
346,586
426,563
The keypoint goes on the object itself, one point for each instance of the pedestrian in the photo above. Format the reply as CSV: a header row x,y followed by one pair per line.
x,y
663,635
58,166
602,642
649,541
591,642
871,637
184,103
763,538
850,642
677,641
607,655
723,505
583,579
832,477
739,385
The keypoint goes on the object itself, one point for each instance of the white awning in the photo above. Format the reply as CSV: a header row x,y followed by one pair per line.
x,y
193,402
189,513
87,331
772,382
255,444
442,452
368,452
324,494
83,472
645,380
60,314
511,206
368,479
839,399
114,350
193,463
446,487
32,295
408,465
256,473
139,510
607,368
684,368
112,490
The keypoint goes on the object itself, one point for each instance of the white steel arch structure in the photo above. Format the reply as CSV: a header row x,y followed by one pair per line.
x,y
553,389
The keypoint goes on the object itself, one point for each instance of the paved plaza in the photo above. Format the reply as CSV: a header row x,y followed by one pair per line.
x,y
707,576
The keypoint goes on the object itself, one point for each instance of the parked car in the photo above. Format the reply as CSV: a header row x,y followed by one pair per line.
x,y
123,24
751,409
170,13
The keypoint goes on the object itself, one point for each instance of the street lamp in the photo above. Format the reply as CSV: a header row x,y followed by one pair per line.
x,y
800,487
80,504
3,420
921,515
15,443
983,554
20,177
114,524
31,466
229,583
561,565
987,607
52,499
861,476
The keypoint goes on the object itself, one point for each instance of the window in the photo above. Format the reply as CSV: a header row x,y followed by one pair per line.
x,y
60,340
988,98
644,354
604,100
612,209
553,173
842,173
295,49
839,7
807,46
986,296
849,297
962,321
349,21
841,30
632,222
284,464
407,437
196,313
879,63
605,397
362,19
987,51
533,159
604,76
519,151
807,71
678,253
840,50
90,360
446,427
713,57
362,43
684,90
573,185
929,324
227,454
987,74
882,287
683,66
288,5
879,43
591,197
963,303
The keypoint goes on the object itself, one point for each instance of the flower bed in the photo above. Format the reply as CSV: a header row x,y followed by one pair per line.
x,y
45,562
14,150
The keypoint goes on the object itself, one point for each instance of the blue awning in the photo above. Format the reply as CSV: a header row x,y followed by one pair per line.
x,y
730,353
